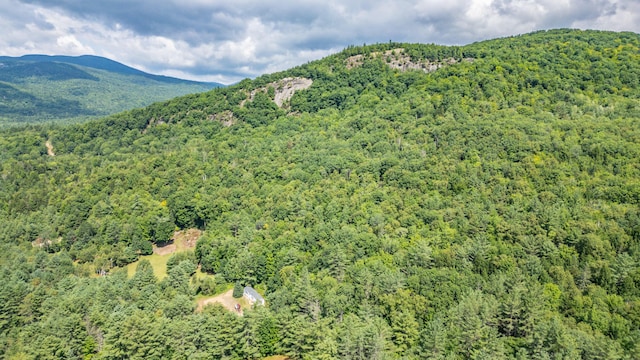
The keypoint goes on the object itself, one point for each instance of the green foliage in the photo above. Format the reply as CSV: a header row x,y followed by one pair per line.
x,y
179,257
34,92
238,290
488,209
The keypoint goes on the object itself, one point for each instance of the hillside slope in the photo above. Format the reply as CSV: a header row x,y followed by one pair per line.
x,y
41,88
399,201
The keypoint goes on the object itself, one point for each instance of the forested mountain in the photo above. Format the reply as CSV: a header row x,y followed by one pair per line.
x,y
42,88
392,201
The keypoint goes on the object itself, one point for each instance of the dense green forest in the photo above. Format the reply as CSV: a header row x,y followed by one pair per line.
x,y
487,208
52,89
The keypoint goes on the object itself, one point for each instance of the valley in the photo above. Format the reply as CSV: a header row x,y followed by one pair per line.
x,y
36,89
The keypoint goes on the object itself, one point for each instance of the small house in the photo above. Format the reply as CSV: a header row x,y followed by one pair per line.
x,y
252,295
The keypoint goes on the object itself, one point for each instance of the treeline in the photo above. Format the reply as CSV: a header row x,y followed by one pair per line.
x,y
489,209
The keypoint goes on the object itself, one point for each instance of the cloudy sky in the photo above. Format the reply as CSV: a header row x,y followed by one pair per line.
x,y
226,41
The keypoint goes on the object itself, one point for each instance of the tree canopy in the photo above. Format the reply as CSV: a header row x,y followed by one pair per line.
x,y
416,201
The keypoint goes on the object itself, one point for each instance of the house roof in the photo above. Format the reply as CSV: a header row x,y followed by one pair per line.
x,y
253,293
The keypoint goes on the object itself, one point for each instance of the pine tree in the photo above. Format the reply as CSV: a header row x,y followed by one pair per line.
x,y
238,290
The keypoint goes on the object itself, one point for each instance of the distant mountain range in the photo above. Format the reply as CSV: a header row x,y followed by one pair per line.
x,y
45,88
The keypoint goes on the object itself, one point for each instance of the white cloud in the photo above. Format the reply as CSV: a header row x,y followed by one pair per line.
x,y
626,18
213,39
70,45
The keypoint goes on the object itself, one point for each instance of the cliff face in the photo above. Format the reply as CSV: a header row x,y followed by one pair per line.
x,y
283,89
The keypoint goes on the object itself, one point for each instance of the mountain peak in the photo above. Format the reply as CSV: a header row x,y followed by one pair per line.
x,y
101,63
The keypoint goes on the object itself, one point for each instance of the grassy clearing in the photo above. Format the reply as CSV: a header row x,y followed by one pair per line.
x,y
182,241
202,275
158,262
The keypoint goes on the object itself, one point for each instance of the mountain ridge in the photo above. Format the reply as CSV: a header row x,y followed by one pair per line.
x,y
102,63
43,88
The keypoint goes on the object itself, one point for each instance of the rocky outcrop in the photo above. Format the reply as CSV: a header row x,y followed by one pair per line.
x,y
398,59
284,89
226,118
354,61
